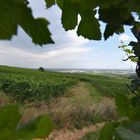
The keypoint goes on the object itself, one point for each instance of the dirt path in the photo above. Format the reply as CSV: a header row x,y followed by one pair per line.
x,y
72,135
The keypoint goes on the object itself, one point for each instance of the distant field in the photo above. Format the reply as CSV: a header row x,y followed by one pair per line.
x,y
33,85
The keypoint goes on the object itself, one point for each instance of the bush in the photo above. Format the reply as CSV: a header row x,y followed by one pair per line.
x,y
41,69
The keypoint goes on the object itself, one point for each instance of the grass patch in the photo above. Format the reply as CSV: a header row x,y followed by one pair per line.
x,y
71,100
79,108
4,100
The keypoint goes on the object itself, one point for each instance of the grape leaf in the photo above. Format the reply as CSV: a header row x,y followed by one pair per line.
x,y
37,128
8,18
69,15
35,28
126,134
122,15
107,132
60,3
111,29
9,117
103,4
89,26
49,3
123,105
16,12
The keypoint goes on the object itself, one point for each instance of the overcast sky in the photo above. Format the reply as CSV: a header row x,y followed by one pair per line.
x,y
69,50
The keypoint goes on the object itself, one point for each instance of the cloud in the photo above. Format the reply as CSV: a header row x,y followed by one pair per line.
x,y
124,37
71,57
64,57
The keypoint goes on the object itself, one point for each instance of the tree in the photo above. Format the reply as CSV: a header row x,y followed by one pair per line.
x,y
115,13
41,69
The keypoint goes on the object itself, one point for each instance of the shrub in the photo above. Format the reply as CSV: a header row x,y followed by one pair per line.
x,y
41,69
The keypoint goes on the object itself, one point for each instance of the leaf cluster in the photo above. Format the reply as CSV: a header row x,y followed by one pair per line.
x,y
40,127
14,13
115,13
129,53
126,128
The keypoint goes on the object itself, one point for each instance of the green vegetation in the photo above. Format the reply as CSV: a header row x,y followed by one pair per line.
x,y
10,128
19,14
73,100
107,85
33,85
91,136
79,108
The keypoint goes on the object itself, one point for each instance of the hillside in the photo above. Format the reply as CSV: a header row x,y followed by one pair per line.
x,y
72,101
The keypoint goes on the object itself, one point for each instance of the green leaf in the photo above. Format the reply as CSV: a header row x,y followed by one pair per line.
x,y
125,108
88,4
35,28
49,3
16,12
134,5
121,13
107,132
123,105
134,101
128,51
134,126
136,48
9,18
69,15
9,118
135,113
89,26
60,3
126,134
111,29
37,128
120,30
108,3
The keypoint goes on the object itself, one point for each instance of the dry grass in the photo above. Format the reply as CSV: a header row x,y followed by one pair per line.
x,y
75,110
5,99
107,109
32,111
79,109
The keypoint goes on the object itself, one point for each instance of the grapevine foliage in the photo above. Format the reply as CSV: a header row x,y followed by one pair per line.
x,y
10,129
14,13
115,13
33,86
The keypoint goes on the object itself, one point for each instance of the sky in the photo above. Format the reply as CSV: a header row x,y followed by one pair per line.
x,y
69,50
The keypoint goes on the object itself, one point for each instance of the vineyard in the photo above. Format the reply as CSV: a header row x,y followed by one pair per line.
x,y
33,85
89,99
